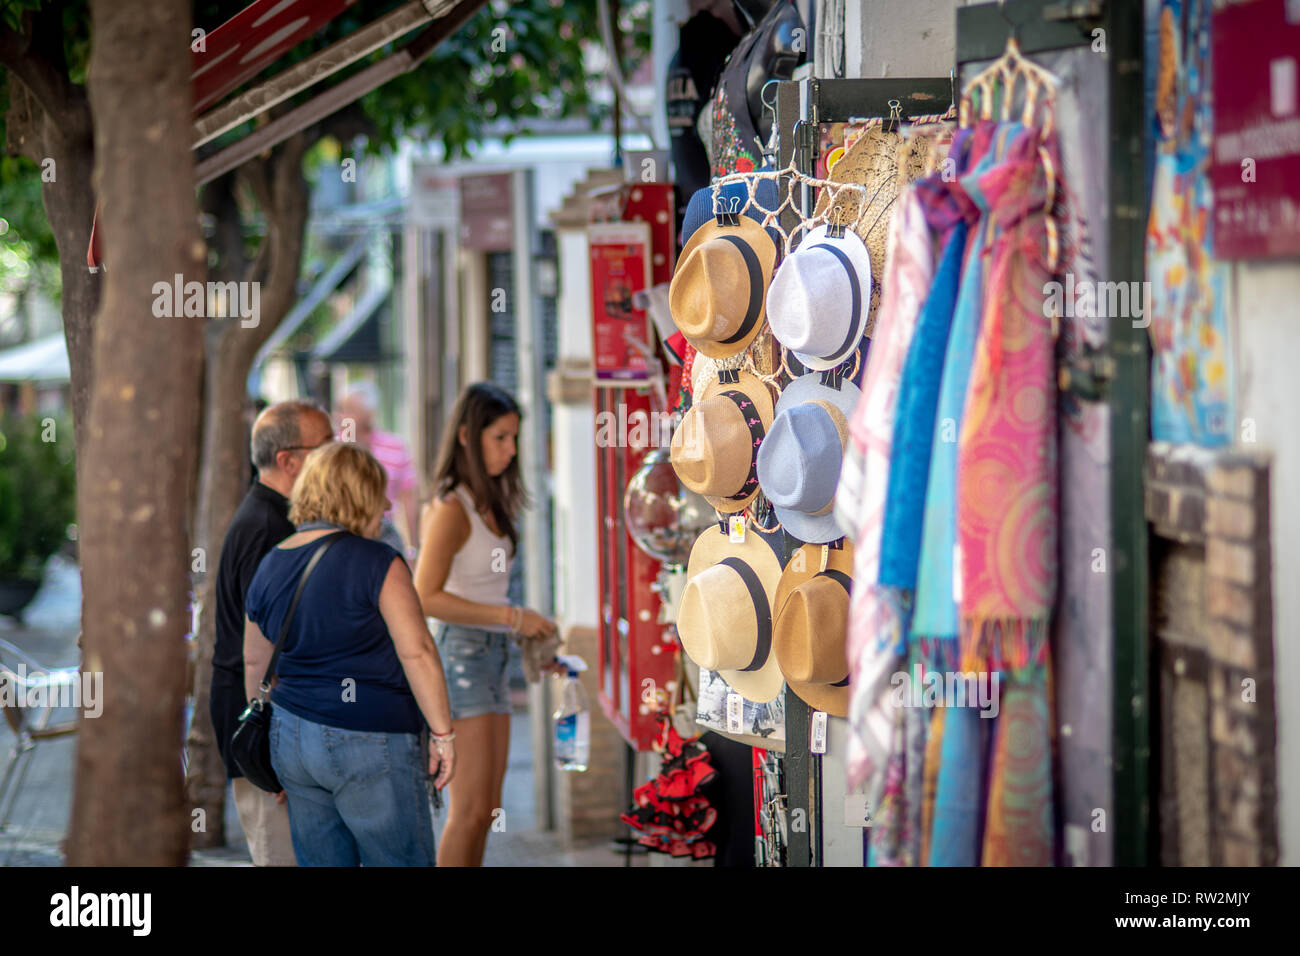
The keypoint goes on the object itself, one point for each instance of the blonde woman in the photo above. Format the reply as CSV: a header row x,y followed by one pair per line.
x,y
357,678
467,545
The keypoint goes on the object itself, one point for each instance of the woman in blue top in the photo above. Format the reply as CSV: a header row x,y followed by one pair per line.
x,y
357,678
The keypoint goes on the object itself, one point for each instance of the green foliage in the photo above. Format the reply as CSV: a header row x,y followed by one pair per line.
x,y
514,61
519,62
11,14
37,493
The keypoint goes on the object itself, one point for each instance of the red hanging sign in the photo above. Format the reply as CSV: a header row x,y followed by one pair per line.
x,y
1255,167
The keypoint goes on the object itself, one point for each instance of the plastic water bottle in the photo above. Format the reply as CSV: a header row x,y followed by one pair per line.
x,y
572,720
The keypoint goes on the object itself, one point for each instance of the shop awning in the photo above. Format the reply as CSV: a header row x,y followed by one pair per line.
x,y
357,337
43,360
265,30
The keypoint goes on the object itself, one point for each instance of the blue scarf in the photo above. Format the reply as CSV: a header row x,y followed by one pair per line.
x,y
918,398
936,609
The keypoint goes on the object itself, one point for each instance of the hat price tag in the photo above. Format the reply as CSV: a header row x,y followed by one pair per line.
x,y
736,529
735,713
857,812
817,730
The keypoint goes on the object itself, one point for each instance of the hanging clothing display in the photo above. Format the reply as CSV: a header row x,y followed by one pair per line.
x,y
737,143
703,45
879,383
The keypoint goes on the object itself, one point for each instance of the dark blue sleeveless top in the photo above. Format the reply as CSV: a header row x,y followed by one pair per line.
x,y
338,665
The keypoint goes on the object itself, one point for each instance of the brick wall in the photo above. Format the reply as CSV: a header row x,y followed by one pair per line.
x,y
1243,725
1212,609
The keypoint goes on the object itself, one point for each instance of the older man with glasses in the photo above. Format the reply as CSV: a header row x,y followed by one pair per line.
x,y
282,436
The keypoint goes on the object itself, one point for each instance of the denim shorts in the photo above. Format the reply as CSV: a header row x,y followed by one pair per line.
x,y
355,798
474,662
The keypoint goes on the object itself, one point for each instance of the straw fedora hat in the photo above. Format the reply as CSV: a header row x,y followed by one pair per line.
x,y
820,298
716,295
715,448
800,459
725,615
809,636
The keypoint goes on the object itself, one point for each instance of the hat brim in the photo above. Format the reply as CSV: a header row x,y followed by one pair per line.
x,y
856,251
764,249
815,529
758,393
833,700
763,684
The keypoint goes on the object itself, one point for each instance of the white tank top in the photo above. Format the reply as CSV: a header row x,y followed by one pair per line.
x,y
480,570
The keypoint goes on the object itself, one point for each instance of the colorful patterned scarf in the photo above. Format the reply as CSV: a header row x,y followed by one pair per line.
x,y
1006,456
1007,494
1019,828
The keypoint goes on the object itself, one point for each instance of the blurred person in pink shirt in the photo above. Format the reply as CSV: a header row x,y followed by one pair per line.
x,y
354,416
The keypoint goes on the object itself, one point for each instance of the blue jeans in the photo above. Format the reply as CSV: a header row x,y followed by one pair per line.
x,y
355,798
474,663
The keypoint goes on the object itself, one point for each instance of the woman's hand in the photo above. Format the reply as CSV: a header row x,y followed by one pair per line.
x,y
442,761
533,624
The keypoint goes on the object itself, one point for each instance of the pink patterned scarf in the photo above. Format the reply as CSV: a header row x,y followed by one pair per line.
x,y
1006,459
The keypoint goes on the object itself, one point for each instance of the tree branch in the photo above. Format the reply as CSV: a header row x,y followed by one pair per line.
x,y
27,55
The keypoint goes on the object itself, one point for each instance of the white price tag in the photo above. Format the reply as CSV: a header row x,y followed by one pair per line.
x,y
735,713
818,729
857,812
736,529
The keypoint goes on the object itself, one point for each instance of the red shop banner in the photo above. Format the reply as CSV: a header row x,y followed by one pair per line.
x,y
620,266
1256,163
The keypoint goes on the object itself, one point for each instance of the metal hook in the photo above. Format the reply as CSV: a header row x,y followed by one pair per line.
x,y
1015,27
895,114
762,96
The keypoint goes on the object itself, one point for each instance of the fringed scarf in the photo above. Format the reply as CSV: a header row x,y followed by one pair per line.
x,y
1007,504
1006,455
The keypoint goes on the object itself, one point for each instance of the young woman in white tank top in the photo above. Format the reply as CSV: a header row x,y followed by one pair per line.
x,y
468,542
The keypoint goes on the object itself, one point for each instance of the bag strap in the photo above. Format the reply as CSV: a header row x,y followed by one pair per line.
x,y
326,542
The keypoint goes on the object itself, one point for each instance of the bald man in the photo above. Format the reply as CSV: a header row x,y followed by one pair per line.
x,y
283,435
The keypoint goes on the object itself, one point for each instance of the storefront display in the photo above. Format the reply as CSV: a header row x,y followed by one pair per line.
x,y
895,407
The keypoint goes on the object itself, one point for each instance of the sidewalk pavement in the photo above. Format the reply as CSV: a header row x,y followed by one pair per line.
x,y
40,815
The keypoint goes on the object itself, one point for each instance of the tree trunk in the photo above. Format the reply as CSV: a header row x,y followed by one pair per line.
x,y
230,349
69,199
129,805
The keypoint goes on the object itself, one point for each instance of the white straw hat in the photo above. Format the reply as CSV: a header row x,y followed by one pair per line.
x,y
725,618
820,298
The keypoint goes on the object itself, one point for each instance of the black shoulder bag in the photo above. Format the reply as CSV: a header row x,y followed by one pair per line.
x,y
250,747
